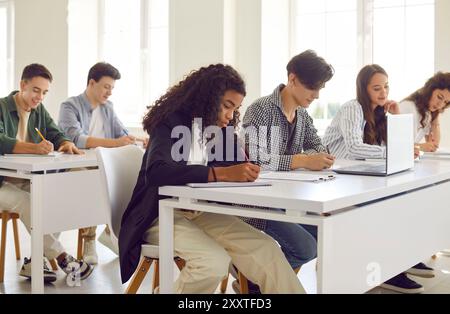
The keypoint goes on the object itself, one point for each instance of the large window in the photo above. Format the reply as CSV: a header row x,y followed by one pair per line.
x,y
135,40
329,28
132,36
397,34
6,48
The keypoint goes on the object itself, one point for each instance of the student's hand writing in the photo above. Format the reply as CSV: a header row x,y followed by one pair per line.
x,y
43,148
245,172
125,140
69,148
391,107
319,161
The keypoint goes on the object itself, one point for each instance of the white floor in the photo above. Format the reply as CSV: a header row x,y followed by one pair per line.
x,y
106,277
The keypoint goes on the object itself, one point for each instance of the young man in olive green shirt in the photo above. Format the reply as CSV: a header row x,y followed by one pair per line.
x,y
20,113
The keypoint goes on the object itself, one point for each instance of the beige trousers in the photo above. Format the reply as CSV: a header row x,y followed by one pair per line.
x,y
16,198
209,242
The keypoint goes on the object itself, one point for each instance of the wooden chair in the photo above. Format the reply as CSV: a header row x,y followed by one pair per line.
x,y
150,254
5,216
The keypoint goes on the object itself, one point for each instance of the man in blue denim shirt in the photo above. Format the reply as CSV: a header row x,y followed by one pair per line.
x,y
89,121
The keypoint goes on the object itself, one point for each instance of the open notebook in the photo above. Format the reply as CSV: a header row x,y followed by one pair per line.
x,y
228,184
50,155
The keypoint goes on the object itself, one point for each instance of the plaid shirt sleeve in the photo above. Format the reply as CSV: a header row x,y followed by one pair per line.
x,y
263,140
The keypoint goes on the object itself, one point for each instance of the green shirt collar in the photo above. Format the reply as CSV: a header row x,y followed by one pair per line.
x,y
11,103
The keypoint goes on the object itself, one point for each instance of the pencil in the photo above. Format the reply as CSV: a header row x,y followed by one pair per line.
x,y
40,134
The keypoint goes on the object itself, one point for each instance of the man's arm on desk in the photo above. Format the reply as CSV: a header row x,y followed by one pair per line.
x,y
10,145
42,148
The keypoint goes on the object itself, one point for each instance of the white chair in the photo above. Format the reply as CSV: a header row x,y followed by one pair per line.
x,y
119,168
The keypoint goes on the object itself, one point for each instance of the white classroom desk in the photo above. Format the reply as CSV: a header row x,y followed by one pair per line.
x,y
59,201
359,247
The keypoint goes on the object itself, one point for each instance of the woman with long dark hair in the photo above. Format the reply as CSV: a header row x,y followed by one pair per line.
x,y
359,130
426,105
182,124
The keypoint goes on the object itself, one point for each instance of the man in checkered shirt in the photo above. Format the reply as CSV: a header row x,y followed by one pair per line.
x,y
280,136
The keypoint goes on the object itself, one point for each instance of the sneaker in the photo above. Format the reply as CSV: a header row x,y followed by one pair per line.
x,y
401,283
89,252
25,271
70,265
421,270
107,241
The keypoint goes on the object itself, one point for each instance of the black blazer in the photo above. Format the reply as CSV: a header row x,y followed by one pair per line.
x,y
158,169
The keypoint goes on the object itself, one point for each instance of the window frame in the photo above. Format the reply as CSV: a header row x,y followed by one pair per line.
x,y
10,42
145,42
365,40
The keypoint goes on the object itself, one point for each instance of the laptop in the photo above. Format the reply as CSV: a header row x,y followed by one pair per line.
x,y
399,150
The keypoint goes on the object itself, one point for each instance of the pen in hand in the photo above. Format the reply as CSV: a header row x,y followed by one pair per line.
x,y
40,134
45,146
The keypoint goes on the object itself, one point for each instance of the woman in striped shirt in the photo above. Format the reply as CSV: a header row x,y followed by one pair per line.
x,y
359,130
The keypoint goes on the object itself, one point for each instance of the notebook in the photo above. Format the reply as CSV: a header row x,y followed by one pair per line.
x,y
399,150
228,184
50,155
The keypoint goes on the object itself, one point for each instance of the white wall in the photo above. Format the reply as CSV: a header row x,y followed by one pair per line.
x,y
442,55
213,31
196,35
41,37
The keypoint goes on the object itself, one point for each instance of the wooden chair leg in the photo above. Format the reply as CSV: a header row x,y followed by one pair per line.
x,y
16,236
243,283
223,285
180,263
155,276
5,217
139,275
53,264
80,244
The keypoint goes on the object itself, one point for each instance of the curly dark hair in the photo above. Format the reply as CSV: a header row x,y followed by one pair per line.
x,y
422,96
199,95
375,130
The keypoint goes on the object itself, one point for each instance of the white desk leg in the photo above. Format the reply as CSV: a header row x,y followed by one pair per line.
x,y
37,237
166,248
324,275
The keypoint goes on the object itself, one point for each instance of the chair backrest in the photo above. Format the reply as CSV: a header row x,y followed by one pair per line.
x,y
119,168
